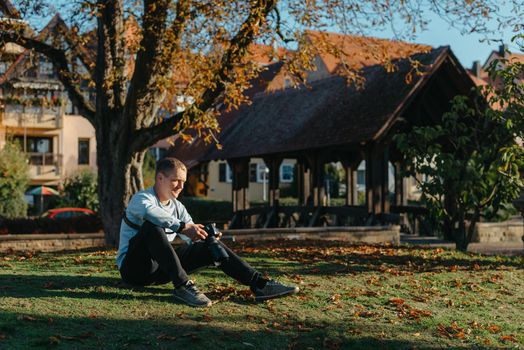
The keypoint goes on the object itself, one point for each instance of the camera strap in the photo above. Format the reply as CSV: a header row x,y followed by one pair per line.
x,y
129,222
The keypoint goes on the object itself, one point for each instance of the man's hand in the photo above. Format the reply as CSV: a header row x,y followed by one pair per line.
x,y
195,232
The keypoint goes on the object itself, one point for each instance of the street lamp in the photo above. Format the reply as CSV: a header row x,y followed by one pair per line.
x,y
265,172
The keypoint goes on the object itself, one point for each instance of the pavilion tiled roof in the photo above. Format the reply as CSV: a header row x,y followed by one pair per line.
x,y
191,153
327,113
288,112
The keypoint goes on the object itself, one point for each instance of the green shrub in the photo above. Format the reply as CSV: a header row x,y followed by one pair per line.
x,y
206,210
80,190
80,224
14,178
148,170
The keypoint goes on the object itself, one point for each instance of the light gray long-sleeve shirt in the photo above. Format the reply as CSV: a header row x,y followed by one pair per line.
x,y
145,205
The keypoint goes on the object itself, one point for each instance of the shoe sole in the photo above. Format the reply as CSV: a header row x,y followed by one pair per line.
x,y
273,296
192,304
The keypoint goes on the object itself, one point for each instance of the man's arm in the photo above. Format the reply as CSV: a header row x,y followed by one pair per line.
x,y
144,207
192,231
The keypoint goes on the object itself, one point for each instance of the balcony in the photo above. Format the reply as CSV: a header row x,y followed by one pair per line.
x,y
44,167
38,117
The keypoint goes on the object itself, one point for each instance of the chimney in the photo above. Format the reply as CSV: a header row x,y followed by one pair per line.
x,y
502,50
476,68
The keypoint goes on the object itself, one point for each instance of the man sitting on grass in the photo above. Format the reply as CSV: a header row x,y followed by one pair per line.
x,y
152,220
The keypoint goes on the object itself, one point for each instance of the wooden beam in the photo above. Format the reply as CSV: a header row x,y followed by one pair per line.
x,y
273,163
240,185
377,200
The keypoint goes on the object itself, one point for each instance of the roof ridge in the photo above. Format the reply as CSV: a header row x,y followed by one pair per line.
x,y
55,21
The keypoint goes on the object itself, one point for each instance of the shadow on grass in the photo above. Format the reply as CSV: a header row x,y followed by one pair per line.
x,y
75,286
111,288
23,331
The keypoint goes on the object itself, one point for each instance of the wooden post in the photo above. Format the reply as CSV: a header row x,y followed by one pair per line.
x,y
349,184
350,168
240,185
354,185
317,177
273,163
304,183
399,182
300,182
377,180
384,176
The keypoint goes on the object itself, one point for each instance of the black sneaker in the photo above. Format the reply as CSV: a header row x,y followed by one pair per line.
x,y
274,289
189,294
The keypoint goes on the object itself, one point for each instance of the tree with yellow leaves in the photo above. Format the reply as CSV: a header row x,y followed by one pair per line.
x,y
198,49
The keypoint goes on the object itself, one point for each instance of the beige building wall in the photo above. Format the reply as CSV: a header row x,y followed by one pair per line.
x,y
222,190
76,128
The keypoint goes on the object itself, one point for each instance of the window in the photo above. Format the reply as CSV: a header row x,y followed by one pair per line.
x,y
262,172
224,173
46,68
158,152
286,173
253,172
36,144
83,152
361,177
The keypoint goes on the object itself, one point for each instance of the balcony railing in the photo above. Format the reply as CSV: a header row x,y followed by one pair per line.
x,y
32,116
45,164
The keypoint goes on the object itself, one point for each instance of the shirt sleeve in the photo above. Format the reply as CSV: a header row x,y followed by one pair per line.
x,y
184,214
143,207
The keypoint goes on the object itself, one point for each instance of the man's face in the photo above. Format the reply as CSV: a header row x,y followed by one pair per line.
x,y
172,183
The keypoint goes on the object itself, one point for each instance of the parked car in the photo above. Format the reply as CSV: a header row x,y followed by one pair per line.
x,y
65,213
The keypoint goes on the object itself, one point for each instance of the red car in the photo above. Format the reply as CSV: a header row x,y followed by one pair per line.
x,y
65,213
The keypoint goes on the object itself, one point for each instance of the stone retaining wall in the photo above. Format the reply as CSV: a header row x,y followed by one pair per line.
x,y
373,234
506,231
56,242
51,242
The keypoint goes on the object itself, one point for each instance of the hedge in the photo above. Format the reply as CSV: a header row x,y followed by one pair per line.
x,y
81,224
206,210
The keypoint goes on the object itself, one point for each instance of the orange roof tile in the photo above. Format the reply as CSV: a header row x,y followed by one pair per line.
x,y
264,54
479,81
356,52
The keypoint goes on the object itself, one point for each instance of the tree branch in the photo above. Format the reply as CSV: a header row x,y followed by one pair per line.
x,y
279,26
60,63
233,55
110,61
154,59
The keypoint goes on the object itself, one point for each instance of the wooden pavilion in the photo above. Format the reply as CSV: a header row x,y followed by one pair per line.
x,y
331,121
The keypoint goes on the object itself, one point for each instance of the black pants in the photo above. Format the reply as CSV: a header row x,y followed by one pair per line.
x,y
150,259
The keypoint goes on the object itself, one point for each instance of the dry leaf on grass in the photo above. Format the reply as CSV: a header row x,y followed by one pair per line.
x,y
508,338
494,329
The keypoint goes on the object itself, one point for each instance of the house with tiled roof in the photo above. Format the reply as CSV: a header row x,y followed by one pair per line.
x,y
479,71
36,111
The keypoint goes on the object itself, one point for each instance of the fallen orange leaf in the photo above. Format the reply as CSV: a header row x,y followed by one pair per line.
x,y
506,338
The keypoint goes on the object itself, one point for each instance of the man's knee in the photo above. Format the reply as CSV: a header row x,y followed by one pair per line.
x,y
148,226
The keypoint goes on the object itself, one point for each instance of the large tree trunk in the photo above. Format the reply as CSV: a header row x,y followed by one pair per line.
x,y
119,177
461,239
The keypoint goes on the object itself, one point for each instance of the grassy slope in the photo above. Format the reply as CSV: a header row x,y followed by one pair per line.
x,y
352,297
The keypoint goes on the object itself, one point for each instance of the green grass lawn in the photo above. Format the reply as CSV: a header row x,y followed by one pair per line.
x,y
352,296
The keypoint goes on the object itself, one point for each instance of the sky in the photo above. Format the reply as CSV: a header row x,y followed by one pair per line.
x,y
467,48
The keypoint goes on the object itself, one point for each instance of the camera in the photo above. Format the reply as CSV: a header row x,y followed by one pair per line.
x,y
218,252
